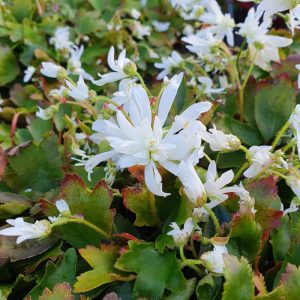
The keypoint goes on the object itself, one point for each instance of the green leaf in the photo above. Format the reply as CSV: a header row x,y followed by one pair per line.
x,y
102,261
39,128
155,271
245,235
36,167
12,205
63,271
267,202
186,292
21,9
93,205
142,203
274,104
238,279
248,135
9,68
79,232
291,282
281,240
208,287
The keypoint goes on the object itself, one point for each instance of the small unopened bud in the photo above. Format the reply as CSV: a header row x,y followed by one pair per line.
x,y
62,73
130,68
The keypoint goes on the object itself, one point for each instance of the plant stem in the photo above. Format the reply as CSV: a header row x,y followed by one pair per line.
x,y
189,262
106,99
139,77
240,171
280,134
214,218
279,174
289,145
246,151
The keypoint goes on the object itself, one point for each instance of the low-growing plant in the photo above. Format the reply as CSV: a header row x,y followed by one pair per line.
x,y
149,149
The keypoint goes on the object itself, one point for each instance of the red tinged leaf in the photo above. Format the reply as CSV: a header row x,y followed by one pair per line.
x,y
143,204
93,205
137,172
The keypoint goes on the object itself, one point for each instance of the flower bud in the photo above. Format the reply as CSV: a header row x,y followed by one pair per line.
x,y
130,68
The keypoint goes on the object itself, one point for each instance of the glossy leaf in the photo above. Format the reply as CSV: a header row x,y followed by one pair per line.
x,y
155,271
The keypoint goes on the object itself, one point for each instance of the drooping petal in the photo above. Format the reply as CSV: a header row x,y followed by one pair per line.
x,y
153,180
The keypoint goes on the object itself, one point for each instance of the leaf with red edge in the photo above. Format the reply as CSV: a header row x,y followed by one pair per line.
x,y
245,235
267,202
143,204
93,205
61,291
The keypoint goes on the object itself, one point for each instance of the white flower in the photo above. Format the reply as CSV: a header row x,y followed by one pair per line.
x,y
201,43
261,157
206,86
26,231
61,39
269,8
28,73
246,201
74,62
193,186
263,47
222,25
79,92
58,93
214,260
124,95
63,208
293,208
47,113
219,141
50,69
141,30
293,181
214,186
142,140
161,26
293,19
135,13
116,65
295,122
167,64
181,236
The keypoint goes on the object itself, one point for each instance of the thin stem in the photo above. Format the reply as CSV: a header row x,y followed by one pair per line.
x,y
189,262
207,157
214,218
289,145
117,105
193,248
86,106
278,174
280,134
240,172
138,75
246,151
250,71
239,55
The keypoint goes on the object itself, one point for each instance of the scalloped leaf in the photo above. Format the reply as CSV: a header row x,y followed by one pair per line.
x,y
93,205
61,291
155,271
102,260
79,232
238,279
142,203
245,235
63,271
